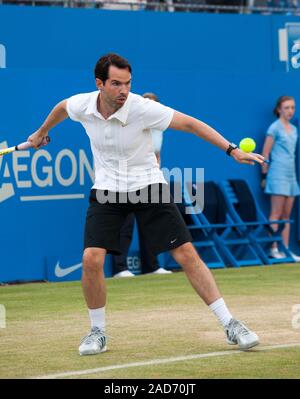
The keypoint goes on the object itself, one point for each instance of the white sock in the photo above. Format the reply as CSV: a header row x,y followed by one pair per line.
x,y
221,311
97,317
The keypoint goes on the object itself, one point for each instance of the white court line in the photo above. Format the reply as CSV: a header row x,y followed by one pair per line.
x,y
160,361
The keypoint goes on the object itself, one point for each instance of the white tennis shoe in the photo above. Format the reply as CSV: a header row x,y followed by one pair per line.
x,y
238,334
93,343
161,270
124,273
295,257
274,253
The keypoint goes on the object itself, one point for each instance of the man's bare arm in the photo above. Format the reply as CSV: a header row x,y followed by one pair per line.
x,y
192,125
57,115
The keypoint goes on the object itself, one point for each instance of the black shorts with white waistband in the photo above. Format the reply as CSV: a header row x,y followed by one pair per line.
x,y
159,218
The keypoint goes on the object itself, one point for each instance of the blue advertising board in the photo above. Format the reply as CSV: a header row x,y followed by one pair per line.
x,y
226,70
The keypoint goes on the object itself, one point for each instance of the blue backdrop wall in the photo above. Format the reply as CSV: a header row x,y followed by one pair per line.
x,y
224,69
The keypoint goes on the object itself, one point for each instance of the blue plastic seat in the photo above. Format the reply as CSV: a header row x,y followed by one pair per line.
x,y
244,209
218,226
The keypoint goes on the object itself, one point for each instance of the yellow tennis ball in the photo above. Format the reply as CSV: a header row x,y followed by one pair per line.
x,y
247,145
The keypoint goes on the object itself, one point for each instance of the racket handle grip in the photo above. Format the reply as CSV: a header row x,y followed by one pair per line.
x,y
27,144
23,146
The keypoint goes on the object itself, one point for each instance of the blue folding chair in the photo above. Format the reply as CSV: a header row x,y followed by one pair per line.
x,y
218,226
244,208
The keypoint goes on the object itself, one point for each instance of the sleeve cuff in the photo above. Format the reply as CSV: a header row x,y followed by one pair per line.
x,y
70,113
168,119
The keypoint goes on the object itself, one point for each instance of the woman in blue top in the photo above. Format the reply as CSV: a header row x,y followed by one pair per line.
x,y
281,180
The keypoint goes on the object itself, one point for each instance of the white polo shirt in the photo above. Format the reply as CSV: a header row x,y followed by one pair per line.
x,y
122,144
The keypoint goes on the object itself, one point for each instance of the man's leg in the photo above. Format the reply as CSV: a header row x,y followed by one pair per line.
x,y
197,272
94,289
93,281
204,284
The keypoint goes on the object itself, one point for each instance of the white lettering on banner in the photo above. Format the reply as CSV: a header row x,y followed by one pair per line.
x,y
295,60
134,264
84,163
6,189
17,168
31,171
71,179
289,46
64,271
2,56
283,46
51,197
47,170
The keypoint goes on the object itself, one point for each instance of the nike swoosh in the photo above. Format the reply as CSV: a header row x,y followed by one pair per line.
x,y
173,241
62,272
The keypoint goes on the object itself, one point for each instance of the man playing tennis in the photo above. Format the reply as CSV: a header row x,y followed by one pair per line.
x,y
118,124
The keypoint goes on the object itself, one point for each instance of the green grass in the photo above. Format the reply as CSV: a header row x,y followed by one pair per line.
x,y
153,317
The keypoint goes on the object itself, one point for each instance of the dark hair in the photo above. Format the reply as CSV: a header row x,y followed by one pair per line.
x,y
152,96
281,100
103,64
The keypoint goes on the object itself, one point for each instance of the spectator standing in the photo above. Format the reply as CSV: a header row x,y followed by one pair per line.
x,y
279,177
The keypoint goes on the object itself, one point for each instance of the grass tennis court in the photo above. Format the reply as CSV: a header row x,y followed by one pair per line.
x,y
150,318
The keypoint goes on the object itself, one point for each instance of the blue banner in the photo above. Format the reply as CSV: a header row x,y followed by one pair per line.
x,y
222,69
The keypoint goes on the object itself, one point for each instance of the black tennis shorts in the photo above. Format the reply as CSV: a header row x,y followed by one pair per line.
x,y
156,213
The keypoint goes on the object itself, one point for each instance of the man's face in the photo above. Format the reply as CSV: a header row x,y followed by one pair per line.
x,y
116,88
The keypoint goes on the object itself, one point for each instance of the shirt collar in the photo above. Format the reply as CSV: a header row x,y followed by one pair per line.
x,y
92,105
121,114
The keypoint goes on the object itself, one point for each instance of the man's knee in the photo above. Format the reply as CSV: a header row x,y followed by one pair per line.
x,y
185,254
93,259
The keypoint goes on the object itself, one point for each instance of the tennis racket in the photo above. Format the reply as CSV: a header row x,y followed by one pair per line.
x,y
24,146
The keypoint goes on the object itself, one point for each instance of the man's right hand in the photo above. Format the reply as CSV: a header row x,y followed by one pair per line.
x,y
36,138
246,157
